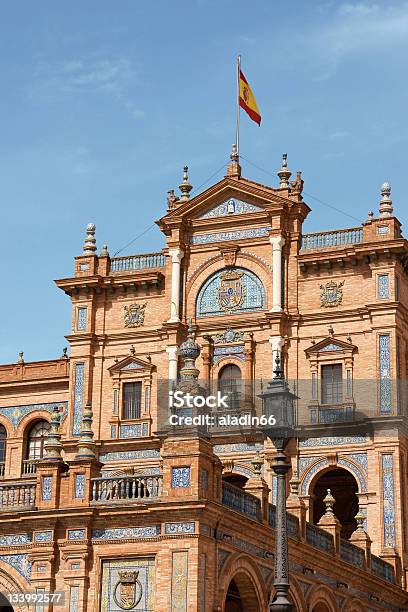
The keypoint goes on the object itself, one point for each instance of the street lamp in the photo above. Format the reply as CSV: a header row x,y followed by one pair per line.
x,y
278,402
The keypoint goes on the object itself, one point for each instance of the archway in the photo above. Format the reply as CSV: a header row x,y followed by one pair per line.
x,y
321,607
5,605
238,480
344,488
241,595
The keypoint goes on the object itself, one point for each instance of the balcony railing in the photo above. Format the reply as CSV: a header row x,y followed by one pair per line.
x,y
29,467
352,554
292,522
334,238
381,568
14,497
318,538
125,488
333,413
138,262
241,501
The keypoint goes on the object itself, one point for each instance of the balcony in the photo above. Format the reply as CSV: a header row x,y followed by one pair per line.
x,y
17,497
29,467
332,413
132,263
132,489
241,501
334,238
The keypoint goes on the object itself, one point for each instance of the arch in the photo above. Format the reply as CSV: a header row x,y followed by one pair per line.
x,y
354,606
29,419
36,436
248,579
249,260
225,360
13,582
315,470
3,443
320,599
230,290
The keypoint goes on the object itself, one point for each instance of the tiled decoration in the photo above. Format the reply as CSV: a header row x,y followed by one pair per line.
x,y
220,449
74,598
46,488
388,499
330,347
79,486
43,536
79,375
175,528
311,473
304,463
15,539
20,563
180,477
150,453
76,534
360,458
113,431
384,341
332,441
179,581
131,581
360,477
75,566
15,413
132,365
224,351
220,296
383,229
274,489
82,318
383,287
256,232
137,430
231,207
126,533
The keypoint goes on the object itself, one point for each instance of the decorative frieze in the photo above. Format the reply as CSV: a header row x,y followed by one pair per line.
x,y
76,534
126,533
15,413
224,351
241,447
42,537
332,441
15,539
135,430
256,232
176,528
150,453
228,336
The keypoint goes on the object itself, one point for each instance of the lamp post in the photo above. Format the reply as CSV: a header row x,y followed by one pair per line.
x,y
278,401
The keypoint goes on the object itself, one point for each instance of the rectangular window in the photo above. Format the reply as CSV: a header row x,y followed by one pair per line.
x,y
332,384
132,393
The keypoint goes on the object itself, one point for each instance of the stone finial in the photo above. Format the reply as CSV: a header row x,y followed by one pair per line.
x,y
172,200
329,502
132,350
257,463
185,186
330,329
360,518
52,445
386,208
189,351
284,173
20,357
86,444
297,184
233,168
370,216
294,485
104,252
90,242
65,353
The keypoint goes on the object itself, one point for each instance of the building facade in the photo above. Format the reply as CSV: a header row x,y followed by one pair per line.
x,y
104,503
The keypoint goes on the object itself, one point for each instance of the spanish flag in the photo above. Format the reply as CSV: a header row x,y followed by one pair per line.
x,y
247,99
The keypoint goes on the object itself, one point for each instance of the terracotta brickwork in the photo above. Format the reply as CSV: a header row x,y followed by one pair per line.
x,y
118,509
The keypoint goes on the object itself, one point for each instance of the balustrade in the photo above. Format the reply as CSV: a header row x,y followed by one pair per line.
x,y
240,500
351,553
381,568
29,467
19,496
129,488
138,262
334,238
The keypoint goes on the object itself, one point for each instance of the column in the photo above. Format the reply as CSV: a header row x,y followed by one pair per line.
x,y
172,353
277,243
176,257
277,343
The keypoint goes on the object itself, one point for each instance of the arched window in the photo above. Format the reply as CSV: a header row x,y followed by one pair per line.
x,y
36,438
3,436
230,384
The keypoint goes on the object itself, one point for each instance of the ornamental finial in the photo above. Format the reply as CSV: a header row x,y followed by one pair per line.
x,y
172,200
104,252
284,173
52,445
278,372
90,242
386,208
86,444
185,186
20,357
233,168
329,502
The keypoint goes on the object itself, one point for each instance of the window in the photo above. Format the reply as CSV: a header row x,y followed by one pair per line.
x,y
332,384
3,436
230,382
36,438
132,393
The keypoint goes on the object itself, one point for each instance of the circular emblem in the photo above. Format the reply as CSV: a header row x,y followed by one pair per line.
x,y
128,590
245,94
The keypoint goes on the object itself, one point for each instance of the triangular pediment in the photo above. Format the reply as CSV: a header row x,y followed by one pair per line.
x,y
230,207
130,364
331,345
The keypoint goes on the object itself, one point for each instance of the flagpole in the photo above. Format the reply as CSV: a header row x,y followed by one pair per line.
x,y
238,113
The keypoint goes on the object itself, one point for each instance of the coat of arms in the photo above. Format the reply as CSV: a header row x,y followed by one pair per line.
x,y
134,315
231,292
331,294
128,591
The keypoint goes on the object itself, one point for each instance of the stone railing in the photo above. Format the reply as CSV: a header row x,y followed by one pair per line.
x,y
381,568
125,488
14,497
318,538
292,522
29,467
241,501
137,262
335,413
352,554
333,238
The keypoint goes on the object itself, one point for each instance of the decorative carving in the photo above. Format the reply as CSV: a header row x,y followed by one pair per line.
x,y
231,207
230,255
231,292
128,590
228,336
331,294
256,232
134,315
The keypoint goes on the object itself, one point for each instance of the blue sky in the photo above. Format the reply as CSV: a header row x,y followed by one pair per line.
x,y
102,103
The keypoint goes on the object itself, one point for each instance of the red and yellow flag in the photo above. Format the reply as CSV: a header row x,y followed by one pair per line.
x,y
247,99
